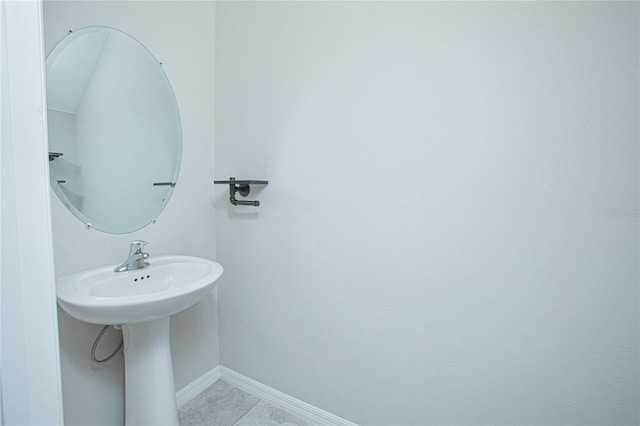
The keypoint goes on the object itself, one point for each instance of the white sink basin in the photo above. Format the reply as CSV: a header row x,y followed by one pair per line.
x,y
169,285
142,301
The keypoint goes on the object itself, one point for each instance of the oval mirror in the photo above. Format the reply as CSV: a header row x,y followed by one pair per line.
x,y
115,138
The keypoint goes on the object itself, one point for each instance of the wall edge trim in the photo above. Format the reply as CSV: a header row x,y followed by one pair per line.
x,y
281,400
269,395
197,386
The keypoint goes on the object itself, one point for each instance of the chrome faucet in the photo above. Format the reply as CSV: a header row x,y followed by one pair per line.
x,y
136,259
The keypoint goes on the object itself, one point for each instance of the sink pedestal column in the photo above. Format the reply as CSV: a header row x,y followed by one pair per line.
x,y
150,395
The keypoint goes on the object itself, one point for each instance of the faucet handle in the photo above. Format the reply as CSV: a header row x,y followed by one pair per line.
x,y
137,246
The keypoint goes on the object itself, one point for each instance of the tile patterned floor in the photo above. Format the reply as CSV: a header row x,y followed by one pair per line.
x,y
224,405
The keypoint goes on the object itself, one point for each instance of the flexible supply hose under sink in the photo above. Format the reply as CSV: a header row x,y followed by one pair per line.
x,y
95,345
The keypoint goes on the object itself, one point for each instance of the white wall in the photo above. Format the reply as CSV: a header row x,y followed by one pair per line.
x,y
30,389
450,230
181,36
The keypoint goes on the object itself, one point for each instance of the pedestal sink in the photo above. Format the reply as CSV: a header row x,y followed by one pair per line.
x,y
141,301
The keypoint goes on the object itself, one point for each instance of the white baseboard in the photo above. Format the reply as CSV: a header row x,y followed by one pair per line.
x,y
281,400
300,409
194,388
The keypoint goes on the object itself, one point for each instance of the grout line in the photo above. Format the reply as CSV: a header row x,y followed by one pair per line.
x,y
249,409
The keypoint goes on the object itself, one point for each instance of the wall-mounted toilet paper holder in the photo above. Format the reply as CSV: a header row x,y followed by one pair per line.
x,y
243,187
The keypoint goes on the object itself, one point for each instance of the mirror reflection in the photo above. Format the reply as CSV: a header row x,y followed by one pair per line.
x,y
115,138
